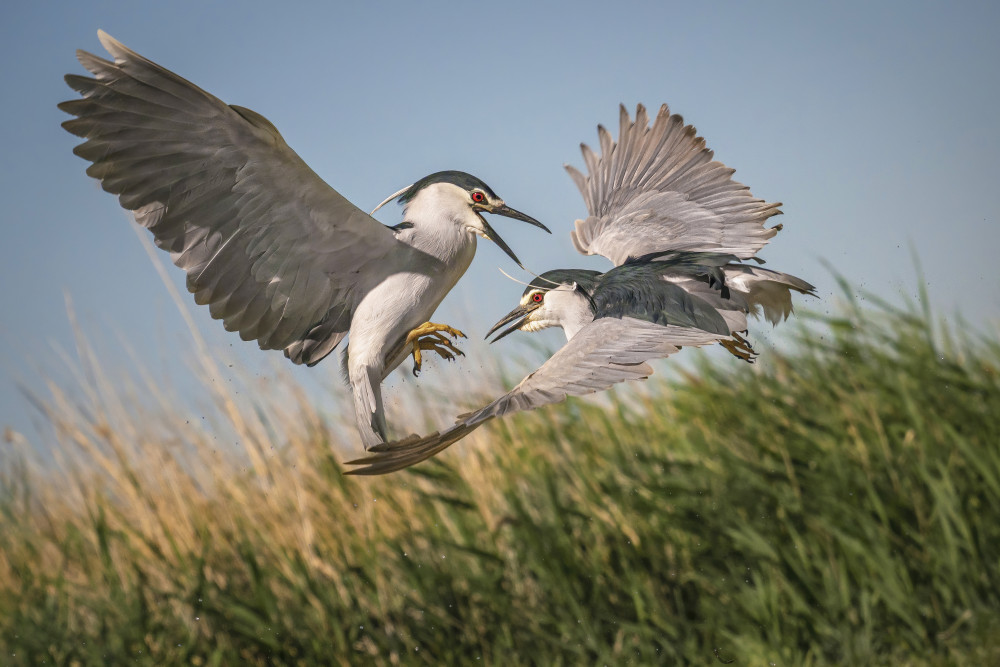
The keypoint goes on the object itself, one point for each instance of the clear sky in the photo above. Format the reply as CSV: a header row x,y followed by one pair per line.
x,y
875,123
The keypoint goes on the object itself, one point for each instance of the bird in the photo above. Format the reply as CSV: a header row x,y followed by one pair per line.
x,y
680,232
275,252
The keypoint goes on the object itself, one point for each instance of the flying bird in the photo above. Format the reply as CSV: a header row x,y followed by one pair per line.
x,y
679,230
277,254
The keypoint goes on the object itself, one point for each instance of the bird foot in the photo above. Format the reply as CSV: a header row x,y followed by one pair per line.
x,y
428,337
740,348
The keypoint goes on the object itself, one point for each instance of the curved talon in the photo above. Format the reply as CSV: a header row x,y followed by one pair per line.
x,y
740,347
446,351
428,336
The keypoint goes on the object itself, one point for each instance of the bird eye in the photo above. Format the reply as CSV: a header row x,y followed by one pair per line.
x,y
478,197
537,297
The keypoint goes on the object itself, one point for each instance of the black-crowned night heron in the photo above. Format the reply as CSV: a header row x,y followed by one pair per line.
x,y
276,253
676,226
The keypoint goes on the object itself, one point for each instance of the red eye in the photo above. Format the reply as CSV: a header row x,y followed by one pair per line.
x,y
537,297
478,197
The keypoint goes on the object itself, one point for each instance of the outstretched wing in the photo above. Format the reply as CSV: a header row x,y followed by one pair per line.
x,y
603,353
659,189
273,250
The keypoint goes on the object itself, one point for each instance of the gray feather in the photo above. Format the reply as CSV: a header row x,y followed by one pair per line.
x,y
767,290
265,243
638,290
659,189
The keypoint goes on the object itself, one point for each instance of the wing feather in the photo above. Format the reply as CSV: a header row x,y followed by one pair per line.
x,y
269,246
658,188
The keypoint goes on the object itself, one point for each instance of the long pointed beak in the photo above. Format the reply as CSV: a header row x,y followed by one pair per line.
x,y
492,235
520,314
509,212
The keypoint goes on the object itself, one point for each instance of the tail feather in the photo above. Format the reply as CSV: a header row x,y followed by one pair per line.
x,y
368,409
766,290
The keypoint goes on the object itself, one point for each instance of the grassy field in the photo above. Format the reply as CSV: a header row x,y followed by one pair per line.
x,y
837,504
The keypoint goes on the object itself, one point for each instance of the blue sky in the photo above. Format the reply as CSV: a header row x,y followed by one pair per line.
x,y
875,124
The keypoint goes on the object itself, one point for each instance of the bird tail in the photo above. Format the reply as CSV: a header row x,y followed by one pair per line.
x,y
368,409
766,290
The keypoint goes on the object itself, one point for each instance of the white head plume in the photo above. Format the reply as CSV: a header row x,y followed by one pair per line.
x,y
390,198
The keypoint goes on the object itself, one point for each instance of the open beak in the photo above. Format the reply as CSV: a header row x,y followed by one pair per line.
x,y
508,212
520,314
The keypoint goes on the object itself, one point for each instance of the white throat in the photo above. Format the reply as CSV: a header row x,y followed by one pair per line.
x,y
576,313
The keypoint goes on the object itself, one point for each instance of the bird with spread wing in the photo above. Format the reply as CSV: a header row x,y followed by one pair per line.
x,y
277,254
678,229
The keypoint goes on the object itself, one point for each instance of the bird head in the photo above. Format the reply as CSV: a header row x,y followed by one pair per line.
x,y
559,298
461,198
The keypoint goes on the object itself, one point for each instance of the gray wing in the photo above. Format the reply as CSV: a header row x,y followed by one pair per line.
x,y
603,353
659,189
273,250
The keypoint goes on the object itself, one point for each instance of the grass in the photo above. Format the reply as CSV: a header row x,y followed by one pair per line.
x,y
838,504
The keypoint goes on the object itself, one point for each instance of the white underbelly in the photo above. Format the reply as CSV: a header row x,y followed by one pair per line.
x,y
388,313
398,304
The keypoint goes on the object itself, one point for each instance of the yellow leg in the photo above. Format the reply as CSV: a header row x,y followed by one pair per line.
x,y
428,337
740,347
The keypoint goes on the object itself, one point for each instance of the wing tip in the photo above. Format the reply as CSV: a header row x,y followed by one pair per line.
x,y
107,41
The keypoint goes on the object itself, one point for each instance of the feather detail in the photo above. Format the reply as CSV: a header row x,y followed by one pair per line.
x,y
658,188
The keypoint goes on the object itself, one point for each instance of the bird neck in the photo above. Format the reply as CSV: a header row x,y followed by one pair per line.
x,y
576,314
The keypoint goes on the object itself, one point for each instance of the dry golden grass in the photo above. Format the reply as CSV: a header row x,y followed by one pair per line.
x,y
838,504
